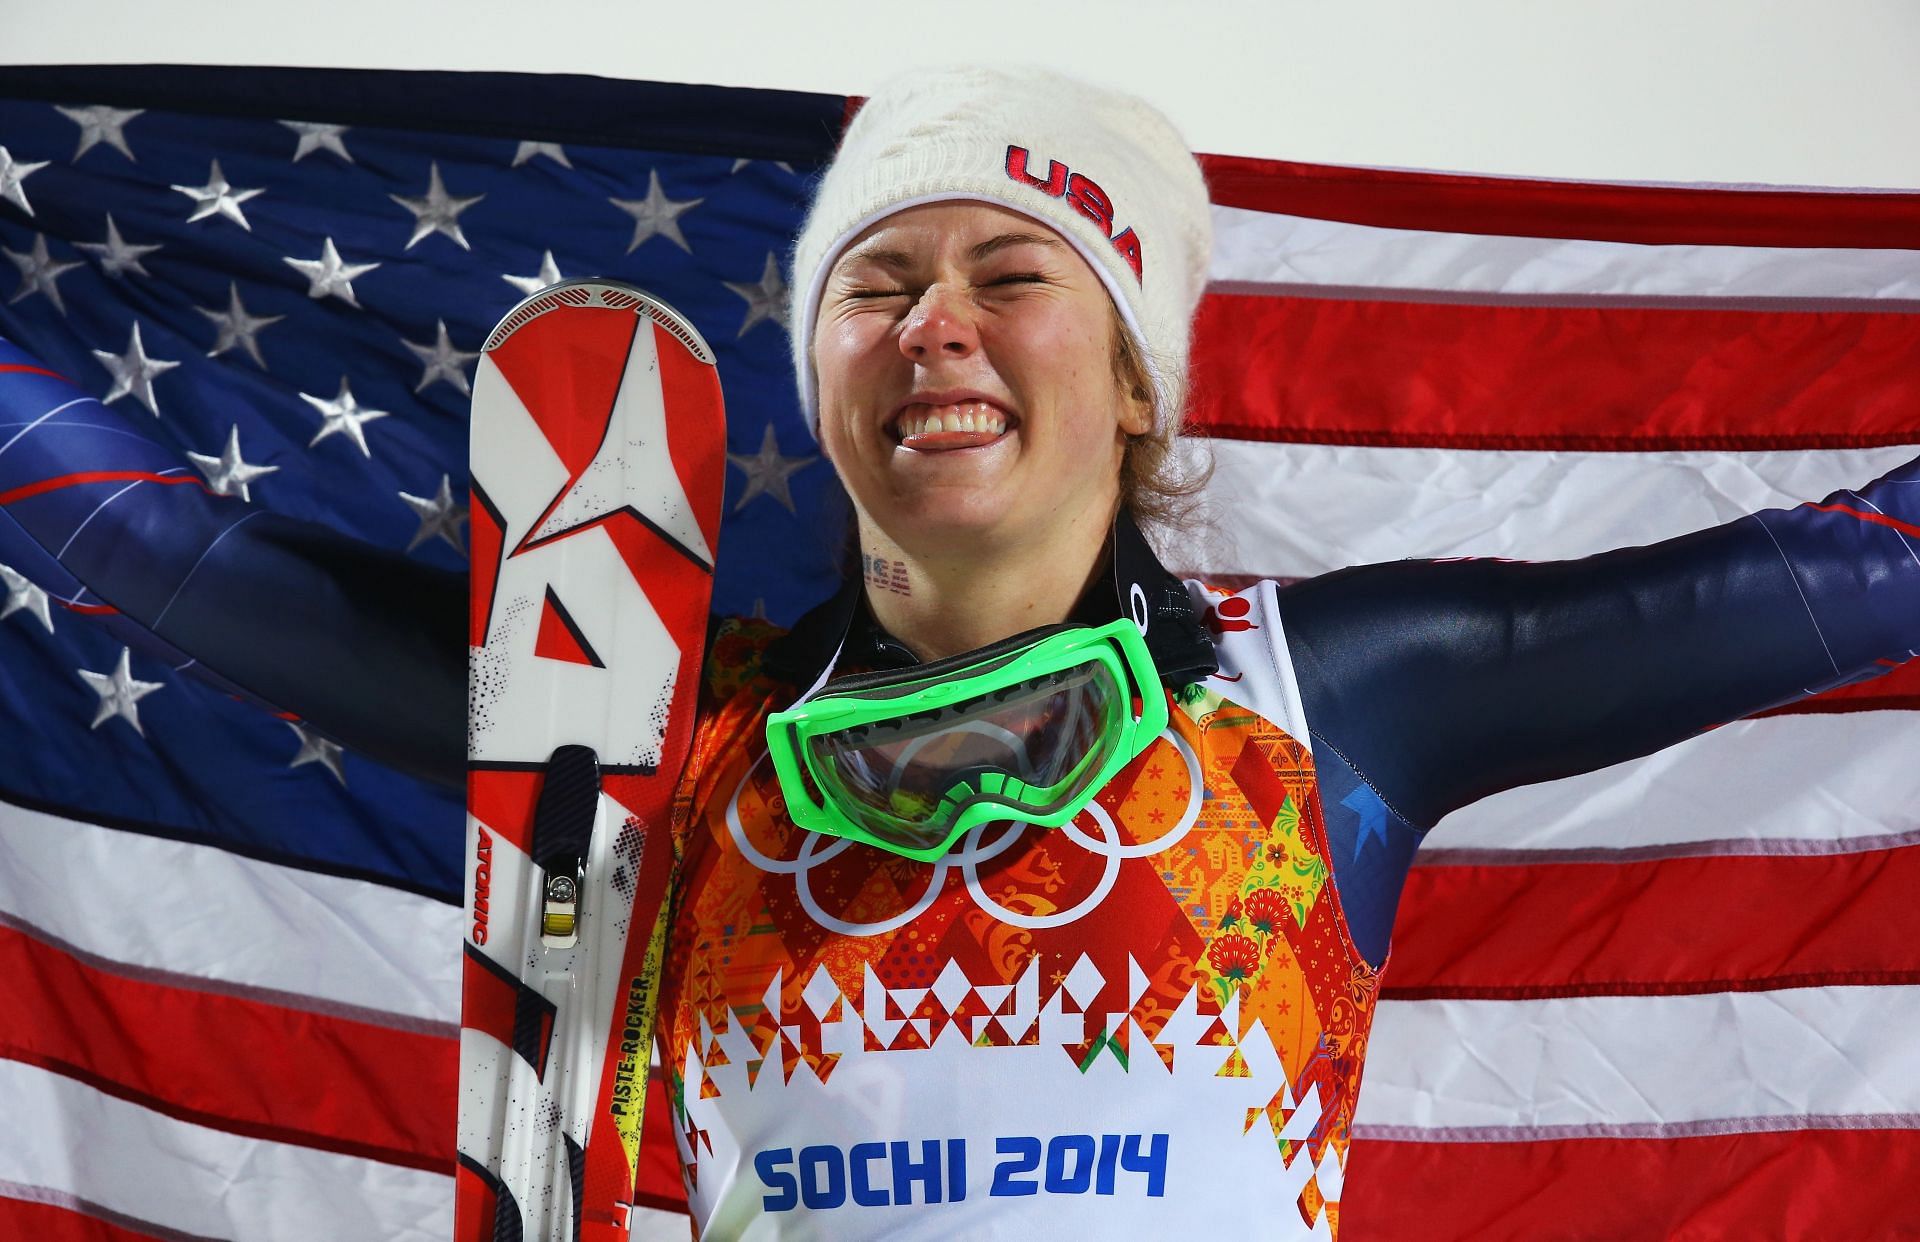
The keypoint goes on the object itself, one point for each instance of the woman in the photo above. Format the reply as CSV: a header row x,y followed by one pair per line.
x,y
1154,1016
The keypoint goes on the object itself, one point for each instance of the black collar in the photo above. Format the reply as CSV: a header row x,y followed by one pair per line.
x,y
1139,587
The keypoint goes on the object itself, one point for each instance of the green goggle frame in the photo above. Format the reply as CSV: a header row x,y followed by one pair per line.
x,y
804,739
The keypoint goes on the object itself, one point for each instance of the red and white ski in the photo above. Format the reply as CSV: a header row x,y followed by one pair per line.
x,y
598,449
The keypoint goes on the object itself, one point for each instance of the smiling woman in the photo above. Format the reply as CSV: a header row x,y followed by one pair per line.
x,y
956,336
969,403
1085,924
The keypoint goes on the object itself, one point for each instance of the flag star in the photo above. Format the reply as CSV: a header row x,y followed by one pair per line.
x,y
116,255
443,362
330,275
317,136
229,473
133,372
438,212
316,749
24,595
218,195
235,326
440,516
119,693
38,272
766,300
552,150
343,415
530,285
12,174
100,124
768,472
656,215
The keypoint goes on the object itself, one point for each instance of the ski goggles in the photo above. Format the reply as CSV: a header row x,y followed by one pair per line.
x,y
1029,729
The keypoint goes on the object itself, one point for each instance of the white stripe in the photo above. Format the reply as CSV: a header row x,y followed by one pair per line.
x,y
68,1137
1825,778
1258,246
1294,510
197,911
1633,1060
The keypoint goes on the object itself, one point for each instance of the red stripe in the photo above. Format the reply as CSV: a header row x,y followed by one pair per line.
x,y
1657,927
47,1222
43,486
7,368
1533,377
1518,207
243,1066
1878,519
91,610
1797,1184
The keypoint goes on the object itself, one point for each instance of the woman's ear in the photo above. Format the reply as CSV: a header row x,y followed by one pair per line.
x,y
1136,415
1133,387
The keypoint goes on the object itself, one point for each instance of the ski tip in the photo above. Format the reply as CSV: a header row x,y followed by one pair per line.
x,y
606,294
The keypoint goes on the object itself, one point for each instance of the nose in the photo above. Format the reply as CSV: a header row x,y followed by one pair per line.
x,y
940,325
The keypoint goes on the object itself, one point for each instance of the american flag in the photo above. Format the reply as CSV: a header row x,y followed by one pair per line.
x,y
1668,999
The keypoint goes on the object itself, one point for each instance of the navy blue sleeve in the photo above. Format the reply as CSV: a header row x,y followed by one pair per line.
x,y
363,644
1446,681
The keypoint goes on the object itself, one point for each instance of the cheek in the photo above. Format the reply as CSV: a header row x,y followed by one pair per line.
x,y
851,360
831,358
1077,364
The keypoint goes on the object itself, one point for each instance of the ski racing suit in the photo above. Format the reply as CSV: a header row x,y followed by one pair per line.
x,y
1128,1024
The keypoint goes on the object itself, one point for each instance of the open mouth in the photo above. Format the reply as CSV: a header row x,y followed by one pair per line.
x,y
962,424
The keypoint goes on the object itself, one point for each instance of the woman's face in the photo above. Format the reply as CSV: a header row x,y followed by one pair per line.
x,y
965,362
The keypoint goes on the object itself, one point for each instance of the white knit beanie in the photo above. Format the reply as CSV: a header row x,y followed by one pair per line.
x,y
1104,170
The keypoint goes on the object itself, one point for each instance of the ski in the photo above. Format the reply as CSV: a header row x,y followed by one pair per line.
x,y
598,451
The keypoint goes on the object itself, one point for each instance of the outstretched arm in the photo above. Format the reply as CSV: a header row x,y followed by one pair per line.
x,y
360,642
1446,681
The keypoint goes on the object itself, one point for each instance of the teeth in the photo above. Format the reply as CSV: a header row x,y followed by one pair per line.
x,y
964,416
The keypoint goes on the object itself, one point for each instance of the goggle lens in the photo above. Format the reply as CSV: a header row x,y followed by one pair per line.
x,y
1032,747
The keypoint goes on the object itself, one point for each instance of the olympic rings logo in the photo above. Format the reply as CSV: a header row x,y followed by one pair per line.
x,y
983,844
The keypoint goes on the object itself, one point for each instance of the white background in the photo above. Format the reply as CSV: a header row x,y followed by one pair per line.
x,y
1813,92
